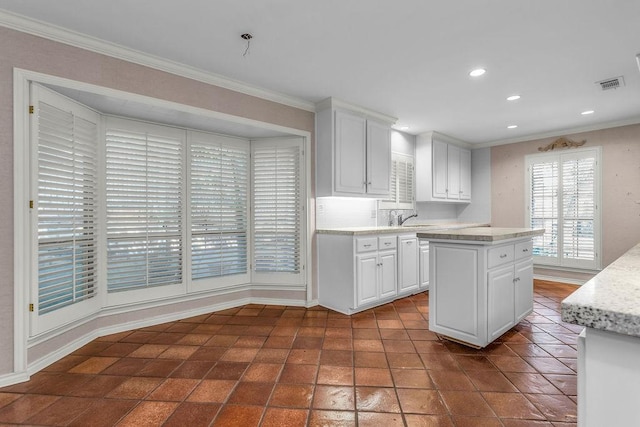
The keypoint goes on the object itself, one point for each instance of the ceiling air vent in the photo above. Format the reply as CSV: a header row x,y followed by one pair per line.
x,y
613,83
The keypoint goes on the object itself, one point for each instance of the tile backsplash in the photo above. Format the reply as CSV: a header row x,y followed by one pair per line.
x,y
338,212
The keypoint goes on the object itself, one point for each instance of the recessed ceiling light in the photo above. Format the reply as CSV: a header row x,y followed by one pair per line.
x,y
586,113
513,97
512,126
404,127
477,72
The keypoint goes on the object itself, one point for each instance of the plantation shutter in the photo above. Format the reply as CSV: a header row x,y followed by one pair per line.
x,y
405,183
393,187
144,181
219,186
578,218
563,194
402,190
277,211
67,208
544,207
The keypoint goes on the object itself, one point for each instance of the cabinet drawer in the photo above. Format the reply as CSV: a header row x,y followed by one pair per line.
x,y
499,255
523,249
366,244
387,242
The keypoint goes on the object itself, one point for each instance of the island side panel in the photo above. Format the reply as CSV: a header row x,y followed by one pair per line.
x,y
336,278
456,290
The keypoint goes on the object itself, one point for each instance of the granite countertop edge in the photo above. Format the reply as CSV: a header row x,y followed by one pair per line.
x,y
610,301
492,234
413,228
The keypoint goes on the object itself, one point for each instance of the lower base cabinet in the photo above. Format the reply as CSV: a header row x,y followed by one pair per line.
x,y
408,269
479,291
375,277
356,273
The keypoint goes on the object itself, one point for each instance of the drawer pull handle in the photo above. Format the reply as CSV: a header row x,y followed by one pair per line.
x,y
503,256
525,250
387,243
368,245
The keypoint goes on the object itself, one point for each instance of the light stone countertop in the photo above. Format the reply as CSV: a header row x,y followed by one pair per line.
x,y
481,234
410,228
611,300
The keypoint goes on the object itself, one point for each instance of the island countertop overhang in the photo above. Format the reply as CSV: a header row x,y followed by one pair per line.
x,y
481,234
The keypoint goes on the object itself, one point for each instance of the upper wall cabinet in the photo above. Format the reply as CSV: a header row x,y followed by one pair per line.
x,y
443,170
353,151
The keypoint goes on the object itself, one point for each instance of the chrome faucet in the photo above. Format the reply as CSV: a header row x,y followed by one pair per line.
x,y
403,220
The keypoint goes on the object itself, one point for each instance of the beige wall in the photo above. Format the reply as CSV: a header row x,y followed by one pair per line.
x,y
620,185
36,54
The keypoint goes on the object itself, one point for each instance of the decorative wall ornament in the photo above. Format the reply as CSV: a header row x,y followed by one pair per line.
x,y
562,142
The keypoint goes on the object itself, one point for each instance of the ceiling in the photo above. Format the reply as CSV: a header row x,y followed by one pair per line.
x,y
409,59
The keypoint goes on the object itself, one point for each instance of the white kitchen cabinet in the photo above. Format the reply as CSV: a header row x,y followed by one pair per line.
x,y
367,267
523,289
424,264
357,272
408,269
479,290
500,301
353,151
388,274
350,153
443,170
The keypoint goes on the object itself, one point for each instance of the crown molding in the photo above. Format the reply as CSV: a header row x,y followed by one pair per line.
x,y
332,102
93,44
564,132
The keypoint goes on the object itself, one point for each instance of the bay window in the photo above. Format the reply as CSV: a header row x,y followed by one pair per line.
x,y
130,211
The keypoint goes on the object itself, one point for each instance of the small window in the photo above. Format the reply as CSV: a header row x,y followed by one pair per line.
x,y
402,188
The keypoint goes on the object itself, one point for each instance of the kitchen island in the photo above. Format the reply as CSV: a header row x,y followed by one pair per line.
x,y
481,281
608,306
363,267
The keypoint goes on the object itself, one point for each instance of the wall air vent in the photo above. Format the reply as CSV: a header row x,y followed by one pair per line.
x,y
612,83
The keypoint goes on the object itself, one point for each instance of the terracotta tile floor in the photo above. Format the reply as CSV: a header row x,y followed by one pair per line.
x,y
287,366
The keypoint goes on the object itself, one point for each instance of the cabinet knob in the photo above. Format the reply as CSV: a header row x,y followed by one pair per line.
x,y
525,250
503,256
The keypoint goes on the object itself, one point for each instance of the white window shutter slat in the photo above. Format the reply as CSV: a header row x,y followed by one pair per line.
x,y
563,192
219,199
144,178
277,208
67,205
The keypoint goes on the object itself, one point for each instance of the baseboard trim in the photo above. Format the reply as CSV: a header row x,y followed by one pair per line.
x,y
558,279
13,378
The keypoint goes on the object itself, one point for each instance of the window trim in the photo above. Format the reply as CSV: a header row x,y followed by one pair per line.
x,y
22,246
559,262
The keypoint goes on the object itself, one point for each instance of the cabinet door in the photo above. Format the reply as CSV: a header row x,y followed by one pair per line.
x,y
500,301
350,152
378,158
424,266
453,172
408,264
465,174
367,278
388,274
439,170
523,282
